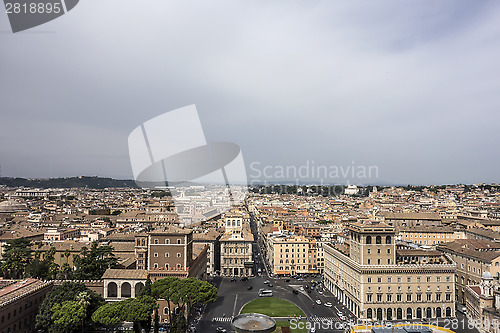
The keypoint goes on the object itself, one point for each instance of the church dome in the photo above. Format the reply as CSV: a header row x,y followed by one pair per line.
x,y
487,275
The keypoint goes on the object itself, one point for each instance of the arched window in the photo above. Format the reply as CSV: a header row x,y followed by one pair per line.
x,y
138,287
378,240
126,290
165,311
369,314
112,289
388,240
368,239
409,313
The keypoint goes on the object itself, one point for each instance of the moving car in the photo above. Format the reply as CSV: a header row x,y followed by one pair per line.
x,y
328,304
221,330
250,288
265,293
318,302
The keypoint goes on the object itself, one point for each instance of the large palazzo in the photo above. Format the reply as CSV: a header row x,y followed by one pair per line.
x,y
377,281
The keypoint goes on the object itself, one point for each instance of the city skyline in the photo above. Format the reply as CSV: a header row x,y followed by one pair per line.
x,y
410,89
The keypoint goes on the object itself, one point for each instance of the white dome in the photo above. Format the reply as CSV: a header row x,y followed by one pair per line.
x,y
487,275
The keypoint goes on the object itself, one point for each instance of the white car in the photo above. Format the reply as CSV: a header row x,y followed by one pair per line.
x,y
313,330
301,288
318,302
328,304
320,292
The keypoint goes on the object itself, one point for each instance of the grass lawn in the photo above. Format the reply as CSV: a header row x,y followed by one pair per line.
x,y
280,324
273,307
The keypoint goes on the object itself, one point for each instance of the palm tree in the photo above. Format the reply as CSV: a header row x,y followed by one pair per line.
x,y
83,299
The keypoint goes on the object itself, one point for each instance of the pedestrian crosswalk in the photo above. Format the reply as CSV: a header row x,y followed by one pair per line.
x,y
321,319
225,319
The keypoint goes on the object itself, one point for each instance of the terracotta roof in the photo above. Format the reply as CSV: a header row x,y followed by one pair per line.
x,y
210,235
476,289
426,229
19,289
411,216
130,274
417,252
477,248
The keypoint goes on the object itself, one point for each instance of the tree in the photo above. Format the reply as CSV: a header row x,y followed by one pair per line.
x,y
108,315
17,256
45,268
91,264
68,291
68,315
83,298
137,310
184,293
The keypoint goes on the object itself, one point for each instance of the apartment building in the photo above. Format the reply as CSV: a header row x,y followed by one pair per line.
x,y
60,234
429,235
293,254
473,258
374,281
236,253
411,219
211,238
19,304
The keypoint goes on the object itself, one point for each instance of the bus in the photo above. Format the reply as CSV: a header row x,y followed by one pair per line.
x,y
265,293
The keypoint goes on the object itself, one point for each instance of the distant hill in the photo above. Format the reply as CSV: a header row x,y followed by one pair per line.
x,y
89,182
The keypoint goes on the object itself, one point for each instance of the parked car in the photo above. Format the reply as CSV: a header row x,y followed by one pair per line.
x,y
266,282
244,278
328,304
221,330
287,280
295,291
250,288
233,280
318,302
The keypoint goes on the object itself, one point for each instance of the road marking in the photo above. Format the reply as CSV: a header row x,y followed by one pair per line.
x,y
228,319
235,301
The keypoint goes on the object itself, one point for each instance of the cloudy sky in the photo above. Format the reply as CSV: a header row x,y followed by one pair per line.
x,y
409,87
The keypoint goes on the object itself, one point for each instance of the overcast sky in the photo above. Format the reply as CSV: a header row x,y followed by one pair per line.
x,y
410,87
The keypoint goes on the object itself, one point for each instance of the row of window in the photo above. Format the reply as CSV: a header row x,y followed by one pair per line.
x,y
26,306
378,240
167,266
425,236
409,279
379,261
286,268
167,255
378,251
230,261
379,288
409,298
167,241
230,250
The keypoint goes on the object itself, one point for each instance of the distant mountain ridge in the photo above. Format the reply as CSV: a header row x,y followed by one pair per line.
x,y
68,182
